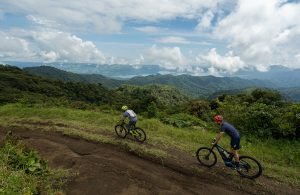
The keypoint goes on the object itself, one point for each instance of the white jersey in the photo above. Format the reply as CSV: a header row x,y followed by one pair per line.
x,y
130,114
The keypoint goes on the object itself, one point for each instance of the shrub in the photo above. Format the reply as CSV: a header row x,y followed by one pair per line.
x,y
182,120
21,157
199,108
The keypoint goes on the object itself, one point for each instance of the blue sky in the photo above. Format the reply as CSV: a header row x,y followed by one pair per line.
x,y
224,36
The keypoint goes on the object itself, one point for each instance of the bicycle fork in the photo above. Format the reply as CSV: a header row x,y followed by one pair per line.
x,y
207,156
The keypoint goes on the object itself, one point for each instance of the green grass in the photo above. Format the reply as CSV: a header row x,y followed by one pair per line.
x,y
280,159
22,171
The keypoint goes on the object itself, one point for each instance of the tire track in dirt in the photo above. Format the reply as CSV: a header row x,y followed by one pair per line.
x,y
104,169
108,169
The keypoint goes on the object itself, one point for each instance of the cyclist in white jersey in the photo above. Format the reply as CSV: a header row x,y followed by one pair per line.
x,y
131,115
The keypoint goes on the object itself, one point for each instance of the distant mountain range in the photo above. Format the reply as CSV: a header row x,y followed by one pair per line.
x,y
55,73
280,76
194,86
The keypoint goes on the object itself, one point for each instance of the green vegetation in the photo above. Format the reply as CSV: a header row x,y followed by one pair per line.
x,y
22,171
141,98
261,113
54,73
17,85
292,94
269,125
192,85
280,158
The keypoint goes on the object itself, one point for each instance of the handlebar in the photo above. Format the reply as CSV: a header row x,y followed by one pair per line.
x,y
121,122
213,141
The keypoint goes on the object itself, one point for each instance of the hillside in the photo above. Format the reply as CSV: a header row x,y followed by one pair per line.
x,y
191,85
198,86
85,141
281,76
288,94
17,84
292,93
175,126
54,73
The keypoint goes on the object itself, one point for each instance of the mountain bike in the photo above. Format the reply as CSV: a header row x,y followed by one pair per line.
x,y
122,131
248,167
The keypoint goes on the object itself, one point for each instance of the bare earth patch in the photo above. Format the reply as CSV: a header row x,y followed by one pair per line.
x,y
108,169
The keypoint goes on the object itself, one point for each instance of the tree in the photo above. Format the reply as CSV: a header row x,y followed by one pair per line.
x,y
199,108
152,110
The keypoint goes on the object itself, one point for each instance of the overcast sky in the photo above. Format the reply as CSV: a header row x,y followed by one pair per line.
x,y
223,36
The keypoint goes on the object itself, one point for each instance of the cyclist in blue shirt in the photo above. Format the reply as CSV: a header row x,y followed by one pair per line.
x,y
232,132
131,115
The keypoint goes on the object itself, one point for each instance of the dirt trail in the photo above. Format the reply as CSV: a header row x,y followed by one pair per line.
x,y
106,169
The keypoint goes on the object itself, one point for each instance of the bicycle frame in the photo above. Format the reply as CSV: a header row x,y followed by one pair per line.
x,y
132,130
222,152
247,167
124,124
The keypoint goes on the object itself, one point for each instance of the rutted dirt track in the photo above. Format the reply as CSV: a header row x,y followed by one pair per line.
x,y
105,169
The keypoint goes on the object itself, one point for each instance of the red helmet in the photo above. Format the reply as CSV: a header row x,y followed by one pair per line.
x,y
218,118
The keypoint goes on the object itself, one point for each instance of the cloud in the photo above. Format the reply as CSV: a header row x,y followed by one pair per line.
x,y
263,32
205,21
107,15
171,39
14,47
50,56
48,45
139,60
151,29
218,64
42,21
1,14
257,32
168,57
67,47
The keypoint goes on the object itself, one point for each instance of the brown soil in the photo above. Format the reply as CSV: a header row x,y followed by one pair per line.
x,y
107,169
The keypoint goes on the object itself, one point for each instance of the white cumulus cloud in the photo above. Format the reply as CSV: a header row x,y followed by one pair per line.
x,y
218,64
168,57
14,47
67,47
263,32
48,45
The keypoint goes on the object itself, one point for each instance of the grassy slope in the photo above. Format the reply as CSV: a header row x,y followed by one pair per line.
x,y
280,159
15,180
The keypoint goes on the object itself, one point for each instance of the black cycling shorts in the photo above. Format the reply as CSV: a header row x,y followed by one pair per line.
x,y
235,143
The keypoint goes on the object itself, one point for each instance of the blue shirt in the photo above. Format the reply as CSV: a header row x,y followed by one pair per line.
x,y
230,130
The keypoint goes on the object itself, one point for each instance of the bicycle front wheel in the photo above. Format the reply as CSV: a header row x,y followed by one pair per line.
x,y
206,156
121,131
249,167
139,134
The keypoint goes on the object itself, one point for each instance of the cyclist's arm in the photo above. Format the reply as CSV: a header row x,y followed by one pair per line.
x,y
123,117
218,137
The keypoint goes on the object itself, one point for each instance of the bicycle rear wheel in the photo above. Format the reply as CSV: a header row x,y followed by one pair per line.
x,y
206,157
249,167
139,134
121,131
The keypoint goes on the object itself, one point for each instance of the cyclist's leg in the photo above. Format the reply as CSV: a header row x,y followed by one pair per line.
x,y
235,146
131,125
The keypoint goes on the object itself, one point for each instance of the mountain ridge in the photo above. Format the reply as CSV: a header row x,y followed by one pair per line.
x,y
194,86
